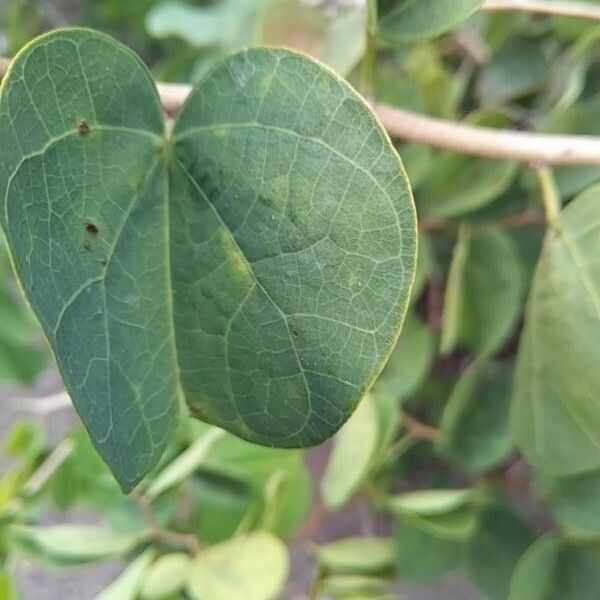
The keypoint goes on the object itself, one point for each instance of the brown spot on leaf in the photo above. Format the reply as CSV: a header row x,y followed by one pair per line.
x,y
83,128
91,229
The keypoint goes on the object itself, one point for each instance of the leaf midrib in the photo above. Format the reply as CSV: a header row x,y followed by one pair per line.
x,y
259,284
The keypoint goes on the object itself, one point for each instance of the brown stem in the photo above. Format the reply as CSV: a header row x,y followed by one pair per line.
x,y
418,429
155,531
582,10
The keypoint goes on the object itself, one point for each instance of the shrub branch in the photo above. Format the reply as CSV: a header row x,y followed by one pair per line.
x,y
582,10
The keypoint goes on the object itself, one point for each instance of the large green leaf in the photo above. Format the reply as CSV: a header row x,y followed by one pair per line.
x,y
256,259
556,411
413,19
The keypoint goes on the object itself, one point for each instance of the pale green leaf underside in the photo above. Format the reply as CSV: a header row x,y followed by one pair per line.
x,y
415,19
556,408
258,259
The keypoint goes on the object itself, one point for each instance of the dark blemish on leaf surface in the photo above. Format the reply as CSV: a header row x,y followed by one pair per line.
x,y
91,229
83,128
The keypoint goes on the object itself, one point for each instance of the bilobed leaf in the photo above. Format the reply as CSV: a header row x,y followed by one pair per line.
x,y
252,567
358,555
354,448
257,259
556,413
408,20
475,431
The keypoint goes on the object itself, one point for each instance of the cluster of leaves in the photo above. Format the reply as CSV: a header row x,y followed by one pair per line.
x,y
497,355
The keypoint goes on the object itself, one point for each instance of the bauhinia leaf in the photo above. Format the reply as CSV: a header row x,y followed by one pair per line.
x,y
257,259
556,408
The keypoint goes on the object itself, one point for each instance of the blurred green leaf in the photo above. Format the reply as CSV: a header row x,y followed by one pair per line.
x,y
408,20
475,430
354,587
556,414
167,575
410,360
517,69
254,465
354,447
185,464
7,587
357,555
127,585
252,567
553,569
582,119
427,503
499,541
454,294
73,544
422,556
575,503
492,288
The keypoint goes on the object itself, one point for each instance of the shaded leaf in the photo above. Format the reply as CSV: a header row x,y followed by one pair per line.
x,y
575,503
421,556
494,550
475,428
518,68
410,360
553,569
201,263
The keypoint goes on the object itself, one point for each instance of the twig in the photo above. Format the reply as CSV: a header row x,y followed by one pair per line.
x,y
582,10
490,143
45,471
550,196
155,531
467,139
418,429
515,221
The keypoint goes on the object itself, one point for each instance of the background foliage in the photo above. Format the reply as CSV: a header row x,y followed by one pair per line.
x,y
504,312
